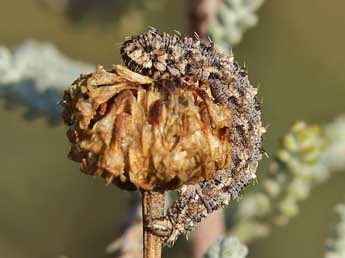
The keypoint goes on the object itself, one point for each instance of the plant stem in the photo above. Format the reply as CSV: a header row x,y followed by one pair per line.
x,y
201,13
207,232
153,207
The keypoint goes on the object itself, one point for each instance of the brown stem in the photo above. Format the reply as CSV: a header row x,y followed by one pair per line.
x,y
153,207
201,13
207,232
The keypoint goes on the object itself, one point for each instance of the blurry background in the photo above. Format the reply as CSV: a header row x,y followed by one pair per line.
x,y
295,55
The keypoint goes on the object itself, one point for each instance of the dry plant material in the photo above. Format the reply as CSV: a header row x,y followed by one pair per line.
x,y
182,115
142,134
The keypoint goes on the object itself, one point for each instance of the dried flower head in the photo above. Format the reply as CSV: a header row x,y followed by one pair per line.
x,y
146,134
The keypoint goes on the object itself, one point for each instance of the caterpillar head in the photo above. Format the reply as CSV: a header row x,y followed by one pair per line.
x,y
150,52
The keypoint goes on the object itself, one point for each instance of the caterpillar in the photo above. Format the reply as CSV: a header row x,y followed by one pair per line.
x,y
163,56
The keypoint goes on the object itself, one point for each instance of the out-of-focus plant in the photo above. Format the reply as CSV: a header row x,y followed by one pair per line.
x,y
234,18
227,247
34,75
103,11
308,157
129,245
336,244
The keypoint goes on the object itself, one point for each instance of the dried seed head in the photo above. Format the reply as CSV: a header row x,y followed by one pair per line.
x,y
140,133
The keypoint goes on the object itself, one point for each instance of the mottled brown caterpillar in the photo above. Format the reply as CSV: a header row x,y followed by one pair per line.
x,y
164,56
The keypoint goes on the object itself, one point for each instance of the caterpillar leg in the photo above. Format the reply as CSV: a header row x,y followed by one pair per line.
x,y
195,203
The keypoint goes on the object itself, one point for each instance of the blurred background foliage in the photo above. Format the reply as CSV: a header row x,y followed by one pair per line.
x,y
47,208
